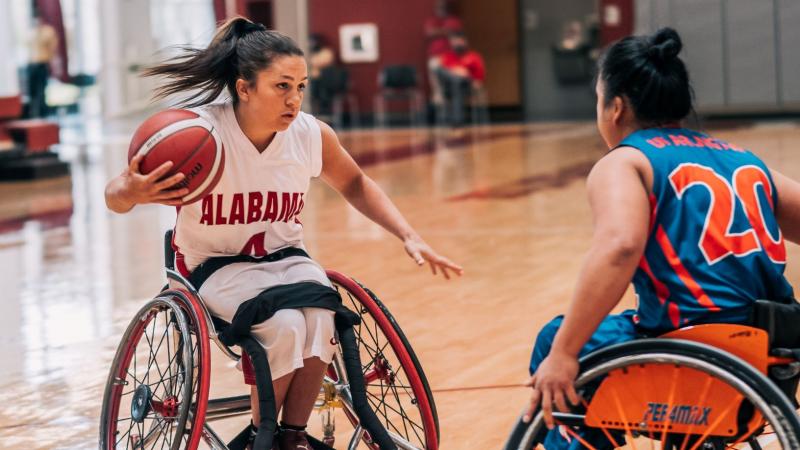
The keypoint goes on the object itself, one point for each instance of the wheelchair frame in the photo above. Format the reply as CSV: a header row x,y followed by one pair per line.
x,y
741,373
335,391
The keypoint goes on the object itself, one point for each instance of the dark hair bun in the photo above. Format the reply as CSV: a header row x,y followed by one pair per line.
x,y
647,71
665,45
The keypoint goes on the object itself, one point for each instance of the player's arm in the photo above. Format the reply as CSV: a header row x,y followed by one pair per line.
x,y
131,187
342,173
788,208
621,214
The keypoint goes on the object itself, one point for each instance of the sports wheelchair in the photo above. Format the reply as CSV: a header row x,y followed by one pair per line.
x,y
157,393
711,387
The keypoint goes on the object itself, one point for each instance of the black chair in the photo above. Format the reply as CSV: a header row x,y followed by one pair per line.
x,y
572,66
334,82
398,83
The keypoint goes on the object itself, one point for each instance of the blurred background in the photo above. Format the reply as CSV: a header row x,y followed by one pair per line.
x,y
477,117
538,56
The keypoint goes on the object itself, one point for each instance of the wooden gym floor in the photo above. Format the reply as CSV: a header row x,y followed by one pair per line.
x,y
507,202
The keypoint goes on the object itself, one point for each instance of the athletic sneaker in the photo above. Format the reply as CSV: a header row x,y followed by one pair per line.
x,y
244,440
293,440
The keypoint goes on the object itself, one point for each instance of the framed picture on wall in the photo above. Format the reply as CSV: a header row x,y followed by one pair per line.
x,y
358,42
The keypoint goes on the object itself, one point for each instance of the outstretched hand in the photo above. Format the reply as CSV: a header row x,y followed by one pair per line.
x,y
553,381
421,252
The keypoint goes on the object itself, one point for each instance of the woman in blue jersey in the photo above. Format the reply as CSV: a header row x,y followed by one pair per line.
x,y
697,224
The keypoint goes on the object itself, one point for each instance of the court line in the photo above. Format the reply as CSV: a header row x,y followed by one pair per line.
x,y
478,388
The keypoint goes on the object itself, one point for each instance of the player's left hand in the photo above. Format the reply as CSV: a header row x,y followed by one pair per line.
x,y
552,382
421,252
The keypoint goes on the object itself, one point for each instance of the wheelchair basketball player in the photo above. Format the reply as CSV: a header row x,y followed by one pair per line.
x,y
272,149
697,224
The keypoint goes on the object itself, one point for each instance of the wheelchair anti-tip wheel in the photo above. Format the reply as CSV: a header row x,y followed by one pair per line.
x,y
670,394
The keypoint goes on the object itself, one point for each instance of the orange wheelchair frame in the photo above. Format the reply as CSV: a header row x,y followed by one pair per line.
x,y
699,387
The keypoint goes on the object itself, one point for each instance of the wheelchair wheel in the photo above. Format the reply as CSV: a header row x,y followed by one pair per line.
x,y
157,388
396,385
640,394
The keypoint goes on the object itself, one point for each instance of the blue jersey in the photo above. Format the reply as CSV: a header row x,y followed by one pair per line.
x,y
714,244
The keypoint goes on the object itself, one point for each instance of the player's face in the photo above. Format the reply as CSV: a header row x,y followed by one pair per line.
x,y
278,92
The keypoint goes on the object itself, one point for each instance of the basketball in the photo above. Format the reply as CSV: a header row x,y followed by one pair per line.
x,y
186,139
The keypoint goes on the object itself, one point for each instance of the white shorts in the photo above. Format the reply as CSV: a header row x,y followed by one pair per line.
x,y
291,335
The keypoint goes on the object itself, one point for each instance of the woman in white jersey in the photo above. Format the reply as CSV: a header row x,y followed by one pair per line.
x,y
272,151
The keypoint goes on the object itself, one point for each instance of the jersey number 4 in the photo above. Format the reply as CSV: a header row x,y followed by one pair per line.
x,y
717,241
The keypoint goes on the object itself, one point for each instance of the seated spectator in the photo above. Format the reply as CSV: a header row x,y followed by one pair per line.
x,y
572,36
321,58
437,30
462,70
43,51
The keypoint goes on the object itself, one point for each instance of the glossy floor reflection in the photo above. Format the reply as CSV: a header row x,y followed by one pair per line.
x,y
507,202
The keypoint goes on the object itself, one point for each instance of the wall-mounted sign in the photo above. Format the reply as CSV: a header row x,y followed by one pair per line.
x,y
612,15
358,42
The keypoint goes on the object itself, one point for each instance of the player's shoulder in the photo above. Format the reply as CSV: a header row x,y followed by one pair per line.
x,y
214,112
624,154
621,158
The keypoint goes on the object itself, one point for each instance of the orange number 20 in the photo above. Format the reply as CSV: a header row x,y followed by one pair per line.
x,y
717,241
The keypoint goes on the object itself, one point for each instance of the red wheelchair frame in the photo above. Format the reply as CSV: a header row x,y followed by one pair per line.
x,y
396,386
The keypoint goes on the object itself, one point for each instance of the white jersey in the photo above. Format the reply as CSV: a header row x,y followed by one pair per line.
x,y
254,207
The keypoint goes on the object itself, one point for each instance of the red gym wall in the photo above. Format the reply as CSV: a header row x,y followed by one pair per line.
x,y
400,36
610,33
219,10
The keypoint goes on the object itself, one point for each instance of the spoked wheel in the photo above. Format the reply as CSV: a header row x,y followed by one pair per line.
x,y
670,394
158,378
396,386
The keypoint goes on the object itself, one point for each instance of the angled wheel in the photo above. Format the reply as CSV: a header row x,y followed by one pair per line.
x,y
157,387
396,385
670,394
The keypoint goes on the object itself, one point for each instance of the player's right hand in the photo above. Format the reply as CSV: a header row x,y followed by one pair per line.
x,y
139,188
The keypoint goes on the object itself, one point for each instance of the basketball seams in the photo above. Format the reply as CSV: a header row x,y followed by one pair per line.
x,y
214,172
207,186
152,130
177,166
156,138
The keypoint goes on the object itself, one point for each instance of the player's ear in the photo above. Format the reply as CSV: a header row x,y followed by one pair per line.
x,y
243,90
619,110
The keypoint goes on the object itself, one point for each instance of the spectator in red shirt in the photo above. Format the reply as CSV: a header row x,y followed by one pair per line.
x,y
437,30
461,71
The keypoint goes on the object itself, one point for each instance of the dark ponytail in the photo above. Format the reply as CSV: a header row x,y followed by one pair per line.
x,y
647,71
239,49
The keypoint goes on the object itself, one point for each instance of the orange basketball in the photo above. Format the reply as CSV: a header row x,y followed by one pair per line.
x,y
186,139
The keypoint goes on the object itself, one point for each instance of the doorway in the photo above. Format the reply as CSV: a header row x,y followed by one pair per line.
x,y
493,31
